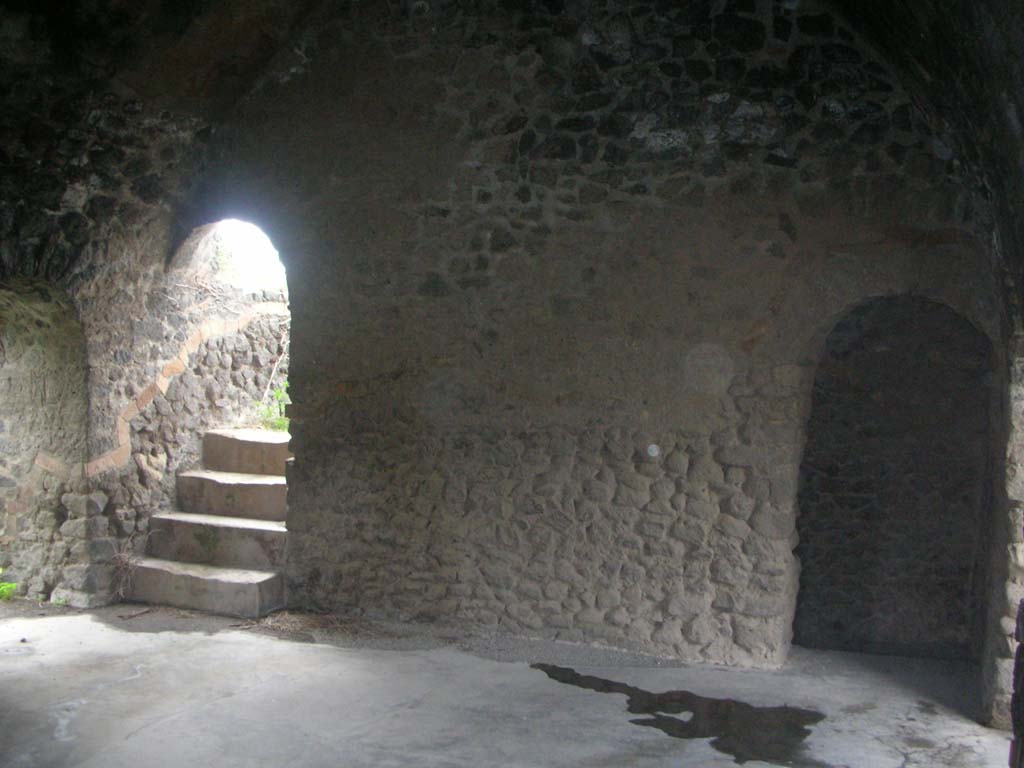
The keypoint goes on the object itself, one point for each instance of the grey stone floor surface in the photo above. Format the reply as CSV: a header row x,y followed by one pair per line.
x,y
140,688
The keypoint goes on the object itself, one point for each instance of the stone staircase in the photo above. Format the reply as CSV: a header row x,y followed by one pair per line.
x,y
223,552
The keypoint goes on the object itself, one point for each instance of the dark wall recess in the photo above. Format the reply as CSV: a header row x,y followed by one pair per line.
x,y
893,484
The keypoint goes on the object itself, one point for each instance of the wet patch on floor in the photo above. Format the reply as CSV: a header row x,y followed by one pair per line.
x,y
773,735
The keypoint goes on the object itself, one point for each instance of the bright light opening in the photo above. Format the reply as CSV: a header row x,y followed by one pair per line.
x,y
244,257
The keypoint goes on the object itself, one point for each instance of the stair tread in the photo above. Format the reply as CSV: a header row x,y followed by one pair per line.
x,y
252,435
214,572
222,521
235,478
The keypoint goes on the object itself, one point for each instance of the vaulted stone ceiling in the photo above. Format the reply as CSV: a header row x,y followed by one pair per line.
x,y
198,57
967,59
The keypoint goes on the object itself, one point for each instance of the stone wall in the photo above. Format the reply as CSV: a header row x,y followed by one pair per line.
x,y
560,279
1008,537
91,180
224,383
68,515
895,485
560,273
202,354
43,413
966,60
671,541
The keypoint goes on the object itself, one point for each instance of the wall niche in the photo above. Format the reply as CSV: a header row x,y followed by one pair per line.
x,y
43,405
894,484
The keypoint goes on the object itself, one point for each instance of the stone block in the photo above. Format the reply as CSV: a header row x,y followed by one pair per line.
x,y
87,578
1013,593
739,506
677,462
93,550
85,528
670,633
75,504
732,527
683,606
619,617
773,522
704,470
701,509
626,496
77,599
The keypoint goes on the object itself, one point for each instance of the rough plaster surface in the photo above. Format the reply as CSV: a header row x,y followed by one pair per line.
x,y
894,484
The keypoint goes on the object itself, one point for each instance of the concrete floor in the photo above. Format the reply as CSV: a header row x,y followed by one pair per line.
x,y
122,686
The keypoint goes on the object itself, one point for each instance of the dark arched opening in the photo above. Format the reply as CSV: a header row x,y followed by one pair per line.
x,y
894,485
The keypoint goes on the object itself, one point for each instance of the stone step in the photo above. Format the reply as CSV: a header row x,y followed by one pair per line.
x,y
229,591
233,494
253,451
230,542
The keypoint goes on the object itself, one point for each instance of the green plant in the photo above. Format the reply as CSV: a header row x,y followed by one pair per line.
x,y
272,413
7,588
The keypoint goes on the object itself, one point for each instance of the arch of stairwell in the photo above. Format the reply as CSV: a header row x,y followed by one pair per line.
x,y
208,351
224,351
208,437
232,369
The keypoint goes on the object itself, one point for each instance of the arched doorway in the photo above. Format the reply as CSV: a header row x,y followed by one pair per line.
x,y
217,331
213,447
238,256
232,279
894,484
225,291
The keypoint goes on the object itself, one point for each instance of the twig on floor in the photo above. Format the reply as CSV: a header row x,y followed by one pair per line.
x,y
133,615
